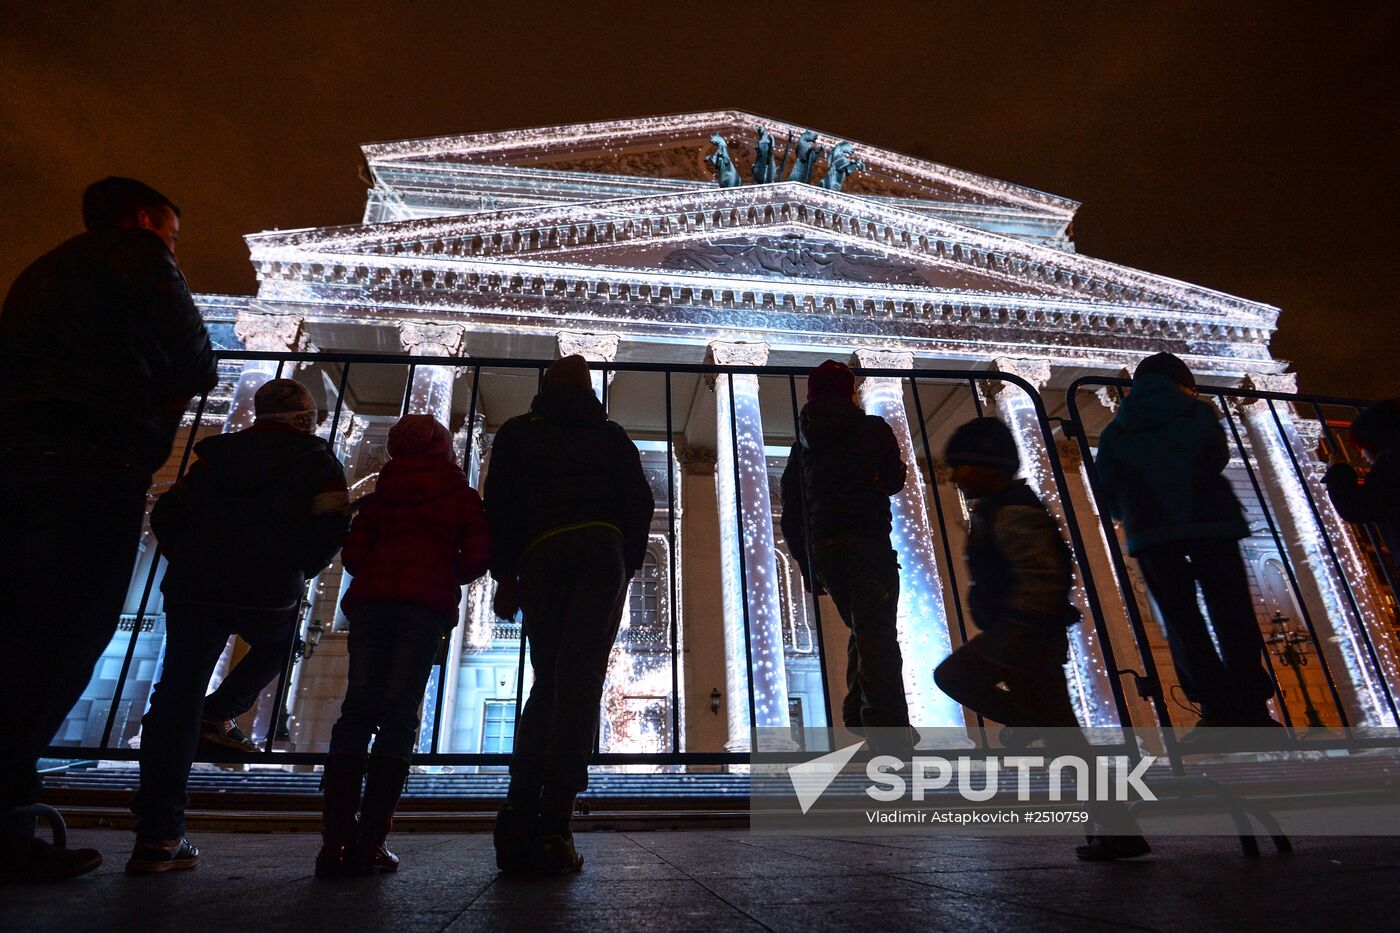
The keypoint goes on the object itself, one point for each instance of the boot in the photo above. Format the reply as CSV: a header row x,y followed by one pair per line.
x,y
340,789
554,851
516,832
383,788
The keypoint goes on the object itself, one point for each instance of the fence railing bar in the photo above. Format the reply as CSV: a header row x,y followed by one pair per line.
x,y
673,600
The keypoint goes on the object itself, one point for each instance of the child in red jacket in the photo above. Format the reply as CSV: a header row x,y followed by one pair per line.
x,y
416,540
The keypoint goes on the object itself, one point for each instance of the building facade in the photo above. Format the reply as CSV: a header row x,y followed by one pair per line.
x,y
622,242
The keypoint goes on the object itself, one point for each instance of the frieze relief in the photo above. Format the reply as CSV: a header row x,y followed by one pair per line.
x,y
792,256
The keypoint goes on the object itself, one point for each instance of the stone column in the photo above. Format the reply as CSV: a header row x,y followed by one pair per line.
x,y
261,333
749,567
924,638
1088,678
596,348
431,391
1324,589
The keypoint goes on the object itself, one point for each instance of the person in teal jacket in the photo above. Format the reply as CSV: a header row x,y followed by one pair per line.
x,y
1160,464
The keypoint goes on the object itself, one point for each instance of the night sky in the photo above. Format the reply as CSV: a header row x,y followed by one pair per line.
x,y
1250,148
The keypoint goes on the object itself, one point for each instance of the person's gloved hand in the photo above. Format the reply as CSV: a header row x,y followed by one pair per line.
x,y
507,601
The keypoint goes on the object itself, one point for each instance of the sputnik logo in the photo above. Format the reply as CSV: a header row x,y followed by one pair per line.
x,y
811,778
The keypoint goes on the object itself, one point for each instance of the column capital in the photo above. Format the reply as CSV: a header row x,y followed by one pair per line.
x,y
596,348
735,353
696,461
1036,372
271,333
427,338
1109,396
871,358
1263,382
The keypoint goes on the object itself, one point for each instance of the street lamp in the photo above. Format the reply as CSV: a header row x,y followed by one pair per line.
x,y
1290,645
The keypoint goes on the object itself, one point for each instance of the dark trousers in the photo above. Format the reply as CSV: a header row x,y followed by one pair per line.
x,y
68,541
862,576
1232,685
1008,687
573,590
195,636
392,650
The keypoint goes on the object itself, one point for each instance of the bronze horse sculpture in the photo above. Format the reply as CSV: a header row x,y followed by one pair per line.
x,y
725,172
840,165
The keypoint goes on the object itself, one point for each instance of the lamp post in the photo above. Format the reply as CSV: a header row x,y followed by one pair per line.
x,y
1290,645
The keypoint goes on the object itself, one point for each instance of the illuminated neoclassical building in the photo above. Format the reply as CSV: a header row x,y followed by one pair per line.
x,y
620,241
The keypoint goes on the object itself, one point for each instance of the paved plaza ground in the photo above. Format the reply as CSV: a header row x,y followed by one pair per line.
x,y
734,880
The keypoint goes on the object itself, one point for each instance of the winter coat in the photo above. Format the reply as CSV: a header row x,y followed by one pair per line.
x,y
562,466
1375,500
102,348
1020,567
421,535
1160,464
839,476
258,512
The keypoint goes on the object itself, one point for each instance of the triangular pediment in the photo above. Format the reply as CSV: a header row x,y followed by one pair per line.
x,y
802,235
674,147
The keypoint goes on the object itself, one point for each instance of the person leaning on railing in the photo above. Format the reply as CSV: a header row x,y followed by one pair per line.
x,y
102,349
1377,432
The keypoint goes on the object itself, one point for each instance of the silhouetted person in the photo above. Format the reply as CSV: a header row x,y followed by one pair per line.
x,y
1160,464
837,486
571,509
258,513
1376,431
1012,671
415,541
102,348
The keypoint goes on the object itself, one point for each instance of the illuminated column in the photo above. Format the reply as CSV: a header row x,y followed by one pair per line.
x,y
749,567
1323,588
1088,678
431,392
923,619
261,333
596,348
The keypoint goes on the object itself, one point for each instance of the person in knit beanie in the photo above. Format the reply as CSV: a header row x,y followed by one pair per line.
x,y
259,513
1012,671
836,488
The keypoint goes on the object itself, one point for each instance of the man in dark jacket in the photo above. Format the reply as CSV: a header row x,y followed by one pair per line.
x,y
1377,432
102,348
836,518
1160,464
258,512
570,509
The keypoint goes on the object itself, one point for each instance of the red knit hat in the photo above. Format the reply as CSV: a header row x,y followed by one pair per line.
x,y
831,378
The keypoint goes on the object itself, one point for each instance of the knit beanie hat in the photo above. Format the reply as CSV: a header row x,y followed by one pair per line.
x,y
419,436
1378,427
285,401
567,372
1169,365
983,442
831,378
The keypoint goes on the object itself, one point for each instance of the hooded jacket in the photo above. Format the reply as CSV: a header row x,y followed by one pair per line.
x,y
422,534
839,476
142,351
258,512
1160,464
560,466
1377,499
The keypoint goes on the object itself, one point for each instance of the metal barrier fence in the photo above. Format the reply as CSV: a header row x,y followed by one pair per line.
x,y
924,394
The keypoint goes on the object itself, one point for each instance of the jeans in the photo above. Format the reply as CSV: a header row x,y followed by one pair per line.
x,y
573,590
1232,686
68,542
195,636
392,649
862,576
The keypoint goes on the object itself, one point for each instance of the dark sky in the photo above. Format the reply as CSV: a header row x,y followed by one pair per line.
x,y
1248,147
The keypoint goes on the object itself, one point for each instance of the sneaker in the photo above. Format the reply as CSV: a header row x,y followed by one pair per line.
x,y
515,839
35,860
1112,848
151,857
556,855
226,733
